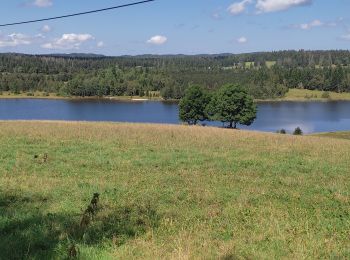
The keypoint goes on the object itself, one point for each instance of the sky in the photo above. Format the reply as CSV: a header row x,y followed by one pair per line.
x,y
176,26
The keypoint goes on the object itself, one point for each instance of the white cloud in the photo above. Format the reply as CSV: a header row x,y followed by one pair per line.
x,y
345,37
158,40
267,6
308,26
43,3
313,24
68,41
239,7
40,36
15,39
242,40
46,28
100,44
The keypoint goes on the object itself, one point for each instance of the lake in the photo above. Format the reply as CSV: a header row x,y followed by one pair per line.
x,y
310,116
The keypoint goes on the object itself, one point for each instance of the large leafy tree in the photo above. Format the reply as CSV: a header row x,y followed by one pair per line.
x,y
192,107
232,104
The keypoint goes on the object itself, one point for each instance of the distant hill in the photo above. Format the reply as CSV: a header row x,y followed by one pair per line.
x,y
265,75
75,55
317,56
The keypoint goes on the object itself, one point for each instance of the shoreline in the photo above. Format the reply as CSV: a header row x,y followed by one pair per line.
x,y
300,100
314,134
294,95
55,97
129,99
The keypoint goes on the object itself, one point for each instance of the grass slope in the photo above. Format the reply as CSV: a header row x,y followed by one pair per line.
x,y
313,95
171,192
338,135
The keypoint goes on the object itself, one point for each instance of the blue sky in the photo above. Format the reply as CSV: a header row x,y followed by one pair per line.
x,y
176,26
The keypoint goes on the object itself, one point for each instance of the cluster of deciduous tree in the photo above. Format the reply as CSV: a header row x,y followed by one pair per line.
x,y
229,104
263,75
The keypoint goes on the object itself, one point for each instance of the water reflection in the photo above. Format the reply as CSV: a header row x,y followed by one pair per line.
x,y
272,116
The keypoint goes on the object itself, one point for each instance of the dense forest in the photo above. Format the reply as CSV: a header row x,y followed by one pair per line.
x,y
264,75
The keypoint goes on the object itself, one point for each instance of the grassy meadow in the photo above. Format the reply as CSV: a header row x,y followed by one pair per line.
x,y
171,192
314,95
339,135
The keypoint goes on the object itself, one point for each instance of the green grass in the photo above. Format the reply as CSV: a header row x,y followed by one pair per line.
x,y
270,64
36,94
338,135
248,64
304,94
311,95
171,192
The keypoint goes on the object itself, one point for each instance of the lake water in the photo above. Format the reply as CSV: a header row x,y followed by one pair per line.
x,y
310,116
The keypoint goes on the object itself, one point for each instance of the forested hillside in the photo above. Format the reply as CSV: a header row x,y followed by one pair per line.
x,y
265,75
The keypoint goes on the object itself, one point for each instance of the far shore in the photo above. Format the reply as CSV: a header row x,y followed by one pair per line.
x,y
40,95
294,95
304,95
344,135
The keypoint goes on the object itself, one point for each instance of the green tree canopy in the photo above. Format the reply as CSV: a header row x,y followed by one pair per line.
x,y
193,105
231,104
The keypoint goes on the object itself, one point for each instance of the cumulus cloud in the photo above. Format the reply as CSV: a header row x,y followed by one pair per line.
x,y
100,44
238,7
68,41
267,6
43,3
158,40
242,40
46,28
14,40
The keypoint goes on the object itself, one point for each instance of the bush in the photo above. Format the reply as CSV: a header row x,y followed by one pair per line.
x,y
326,95
282,131
30,94
298,131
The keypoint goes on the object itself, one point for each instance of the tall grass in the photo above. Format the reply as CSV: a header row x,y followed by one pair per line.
x,y
171,192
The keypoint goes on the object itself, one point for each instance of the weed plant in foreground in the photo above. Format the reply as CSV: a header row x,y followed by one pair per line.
x,y
171,192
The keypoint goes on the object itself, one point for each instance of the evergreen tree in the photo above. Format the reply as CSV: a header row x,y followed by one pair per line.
x,y
298,131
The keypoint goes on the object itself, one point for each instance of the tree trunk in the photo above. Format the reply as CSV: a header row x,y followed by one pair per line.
x,y
235,126
231,125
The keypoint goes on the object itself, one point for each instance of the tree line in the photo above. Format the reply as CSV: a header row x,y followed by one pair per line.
x,y
263,75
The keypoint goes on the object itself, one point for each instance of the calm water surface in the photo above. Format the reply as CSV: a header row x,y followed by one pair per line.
x,y
310,116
